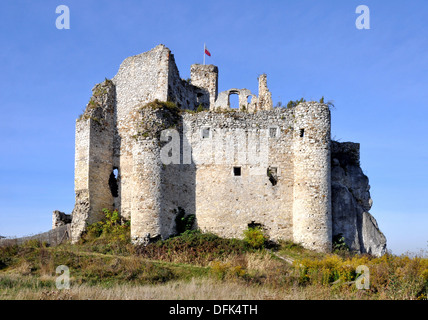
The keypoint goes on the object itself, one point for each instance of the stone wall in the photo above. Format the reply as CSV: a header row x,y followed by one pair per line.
x,y
142,78
223,101
265,97
182,93
95,131
52,238
227,203
60,219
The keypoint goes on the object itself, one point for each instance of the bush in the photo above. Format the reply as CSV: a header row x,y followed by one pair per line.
x,y
339,244
200,108
391,277
183,223
255,237
224,270
292,104
111,235
111,226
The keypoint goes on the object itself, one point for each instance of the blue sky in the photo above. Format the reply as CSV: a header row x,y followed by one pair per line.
x,y
377,78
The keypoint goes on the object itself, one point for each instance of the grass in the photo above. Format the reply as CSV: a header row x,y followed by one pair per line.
x,y
195,265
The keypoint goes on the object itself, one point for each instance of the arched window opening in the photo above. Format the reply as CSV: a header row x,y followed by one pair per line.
x,y
234,100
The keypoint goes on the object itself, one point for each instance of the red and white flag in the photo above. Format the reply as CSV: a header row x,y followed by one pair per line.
x,y
207,52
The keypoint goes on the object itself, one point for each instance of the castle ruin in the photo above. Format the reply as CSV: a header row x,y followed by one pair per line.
x,y
260,165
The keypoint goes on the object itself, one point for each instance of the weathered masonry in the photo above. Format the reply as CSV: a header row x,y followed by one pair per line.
x,y
255,165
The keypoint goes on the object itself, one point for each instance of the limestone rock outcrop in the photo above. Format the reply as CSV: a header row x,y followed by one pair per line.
x,y
351,202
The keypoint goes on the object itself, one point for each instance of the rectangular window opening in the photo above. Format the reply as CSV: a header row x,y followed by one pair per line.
x,y
237,171
272,174
205,133
272,132
302,133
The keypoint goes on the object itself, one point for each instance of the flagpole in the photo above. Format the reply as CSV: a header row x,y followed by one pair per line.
x,y
204,53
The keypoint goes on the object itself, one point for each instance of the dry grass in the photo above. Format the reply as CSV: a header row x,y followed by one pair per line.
x,y
195,289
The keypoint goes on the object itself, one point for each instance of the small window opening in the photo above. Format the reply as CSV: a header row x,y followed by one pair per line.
x,y
272,173
236,171
249,99
302,133
272,132
254,225
205,133
112,182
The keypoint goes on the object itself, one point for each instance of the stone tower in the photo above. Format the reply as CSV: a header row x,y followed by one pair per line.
x,y
95,130
205,77
312,176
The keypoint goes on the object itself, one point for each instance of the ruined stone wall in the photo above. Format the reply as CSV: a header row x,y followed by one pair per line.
x,y
60,219
312,176
141,79
94,158
184,94
265,96
206,77
52,237
223,100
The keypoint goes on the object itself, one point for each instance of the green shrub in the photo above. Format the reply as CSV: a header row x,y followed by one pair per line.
x,y
292,104
339,244
157,104
200,108
255,237
225,270
111,227
182,222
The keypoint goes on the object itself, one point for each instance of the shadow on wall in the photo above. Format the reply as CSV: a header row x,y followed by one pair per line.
x,y
178,189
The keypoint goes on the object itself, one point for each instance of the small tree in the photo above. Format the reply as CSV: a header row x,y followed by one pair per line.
x,y
255,237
